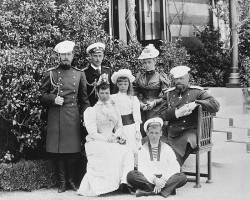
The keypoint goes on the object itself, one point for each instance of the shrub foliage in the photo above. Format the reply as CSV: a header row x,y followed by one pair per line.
x,y
210,63
29,29
27,175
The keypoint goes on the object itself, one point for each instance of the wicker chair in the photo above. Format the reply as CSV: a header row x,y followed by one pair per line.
x,y
204,145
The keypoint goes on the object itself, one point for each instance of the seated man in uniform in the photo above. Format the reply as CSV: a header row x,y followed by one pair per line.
x,y
158,170
179,108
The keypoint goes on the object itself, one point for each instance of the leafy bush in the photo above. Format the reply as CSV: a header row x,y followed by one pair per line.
x,y
27,175
210,63
29,30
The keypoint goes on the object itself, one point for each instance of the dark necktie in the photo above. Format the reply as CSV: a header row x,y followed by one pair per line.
x,y
98,71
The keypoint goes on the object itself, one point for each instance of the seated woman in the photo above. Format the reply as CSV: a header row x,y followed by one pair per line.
x,y
108,160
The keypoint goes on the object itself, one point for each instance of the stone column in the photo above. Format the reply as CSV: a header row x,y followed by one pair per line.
x,y
234,79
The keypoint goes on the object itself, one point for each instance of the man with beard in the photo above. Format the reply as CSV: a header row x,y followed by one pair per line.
x,y
63,90
179,108
94,69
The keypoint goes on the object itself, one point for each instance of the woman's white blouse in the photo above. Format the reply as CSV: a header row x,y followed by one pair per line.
x,y
102,121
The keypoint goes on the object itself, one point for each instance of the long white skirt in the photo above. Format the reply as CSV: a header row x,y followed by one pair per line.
x,y
129,133
107,167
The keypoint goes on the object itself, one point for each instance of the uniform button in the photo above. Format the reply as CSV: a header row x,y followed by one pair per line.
x,y
173,95
74,83
74,77
186,101
184,121
59,72
73,97
170,126
188,93
60,83
182,128
72,104
61,91
74,90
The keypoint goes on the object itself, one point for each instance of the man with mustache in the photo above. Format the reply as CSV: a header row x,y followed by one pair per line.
x,y
64,94
179,108
94,69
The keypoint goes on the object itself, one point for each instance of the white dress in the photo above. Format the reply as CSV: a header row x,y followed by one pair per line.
x,y
129,105
108,163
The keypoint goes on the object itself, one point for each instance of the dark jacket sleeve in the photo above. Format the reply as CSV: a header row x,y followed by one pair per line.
x,y
82,94
208,102
165,112
47,99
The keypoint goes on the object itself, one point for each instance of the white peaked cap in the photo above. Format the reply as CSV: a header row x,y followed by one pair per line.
x,y
64,47
179,71
152,121
96,47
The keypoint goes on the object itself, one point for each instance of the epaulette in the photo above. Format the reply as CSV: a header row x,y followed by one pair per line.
x,y
106,67
170,89
196,87
81,70
52,68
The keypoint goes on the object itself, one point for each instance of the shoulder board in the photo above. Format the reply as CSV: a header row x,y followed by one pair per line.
x,y
196,87
106,67
170,89
78,69
52,68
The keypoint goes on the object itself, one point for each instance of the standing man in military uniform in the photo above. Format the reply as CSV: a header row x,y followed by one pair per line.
x,y
94,69
179,109
63,89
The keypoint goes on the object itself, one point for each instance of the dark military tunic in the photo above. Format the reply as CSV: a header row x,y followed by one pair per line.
x,y
63,127
183,130
92,77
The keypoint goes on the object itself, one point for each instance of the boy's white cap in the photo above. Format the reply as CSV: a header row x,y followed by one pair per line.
x,y
64,47
122,73
96,47
179,71
149,52
152,121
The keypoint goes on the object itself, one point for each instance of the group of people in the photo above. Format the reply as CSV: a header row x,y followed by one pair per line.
x,y
124,138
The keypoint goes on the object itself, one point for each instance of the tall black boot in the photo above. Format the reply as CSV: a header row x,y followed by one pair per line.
x,y
70,164
62,176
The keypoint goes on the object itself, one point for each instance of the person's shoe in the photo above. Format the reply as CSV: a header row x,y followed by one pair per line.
x,y
62,187
123,188
173,192
72,185
140,193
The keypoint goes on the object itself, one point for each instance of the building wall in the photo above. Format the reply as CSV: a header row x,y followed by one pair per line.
x,y
185,16
182,17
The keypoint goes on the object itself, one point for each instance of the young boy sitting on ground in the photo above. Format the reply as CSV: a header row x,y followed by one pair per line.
x,y
158,170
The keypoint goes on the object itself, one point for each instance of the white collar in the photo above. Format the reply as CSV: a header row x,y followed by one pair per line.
x,y
103,103
122,94
95,68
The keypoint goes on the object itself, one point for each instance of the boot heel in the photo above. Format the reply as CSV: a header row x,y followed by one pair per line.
x,y
62,187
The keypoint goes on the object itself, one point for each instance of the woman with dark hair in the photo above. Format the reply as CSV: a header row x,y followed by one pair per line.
x,y
108,160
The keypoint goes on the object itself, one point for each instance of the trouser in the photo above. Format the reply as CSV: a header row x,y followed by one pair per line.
x,y
182,159
137,180
65,165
